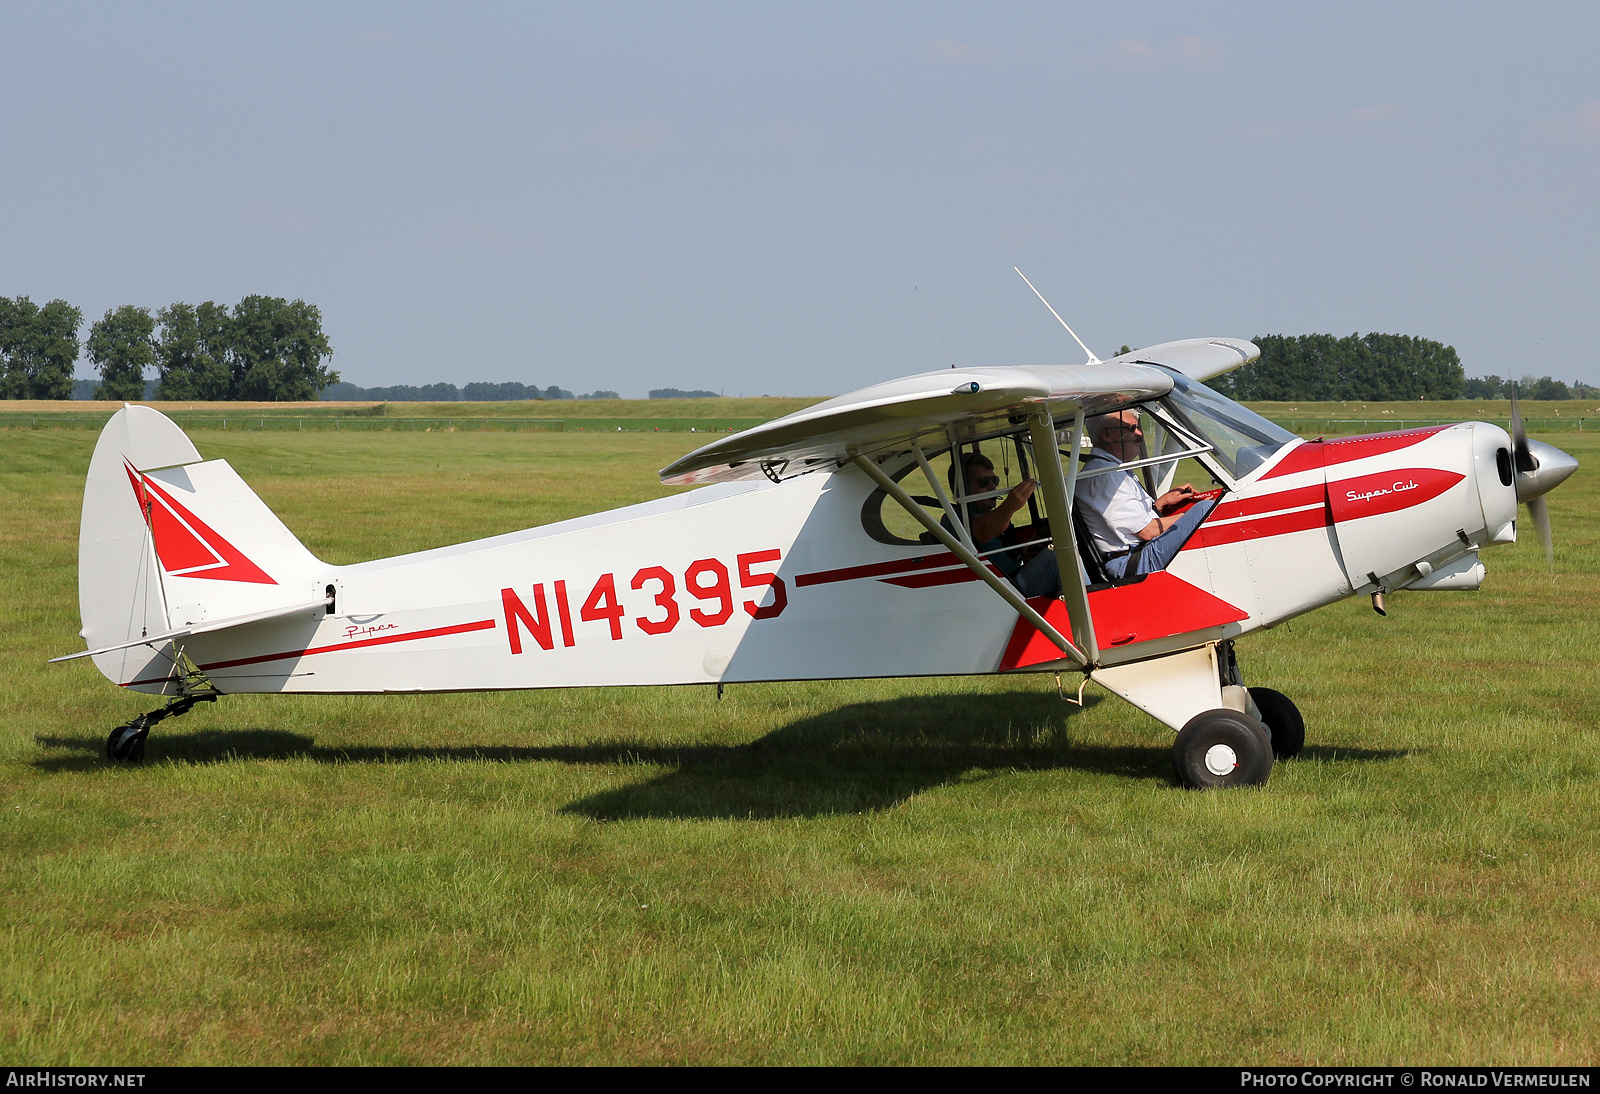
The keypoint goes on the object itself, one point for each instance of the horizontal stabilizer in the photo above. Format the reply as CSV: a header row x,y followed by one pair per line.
x,y
201,628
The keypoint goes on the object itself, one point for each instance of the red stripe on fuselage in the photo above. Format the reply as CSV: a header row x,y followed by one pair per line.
x,y
435,632
877,569
1296,498
1261,527
942,577
1314,454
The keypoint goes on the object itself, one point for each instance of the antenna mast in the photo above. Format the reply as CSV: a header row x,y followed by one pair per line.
x,y
1093,360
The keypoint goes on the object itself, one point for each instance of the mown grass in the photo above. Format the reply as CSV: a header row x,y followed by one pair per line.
x,y
877,872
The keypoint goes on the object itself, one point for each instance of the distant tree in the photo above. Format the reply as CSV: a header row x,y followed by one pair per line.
x,y
1529,387
277,349
1124,349
121,346
1322,367
38,348
410,393
192,351
553,392
676,393
1544,388
600,395
484,392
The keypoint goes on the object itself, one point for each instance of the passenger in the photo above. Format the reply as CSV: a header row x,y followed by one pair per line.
x,y
1032,570
1134,535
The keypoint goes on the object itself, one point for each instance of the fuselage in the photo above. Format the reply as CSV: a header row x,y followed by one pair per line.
x,y
785,581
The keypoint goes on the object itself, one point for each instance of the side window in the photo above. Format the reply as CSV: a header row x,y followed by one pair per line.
x,y
884,520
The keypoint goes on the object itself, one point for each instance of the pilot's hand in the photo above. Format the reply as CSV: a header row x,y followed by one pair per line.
x,y
1173,499
1020,493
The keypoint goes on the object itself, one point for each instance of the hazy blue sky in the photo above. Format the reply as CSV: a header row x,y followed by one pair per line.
x,y
742,197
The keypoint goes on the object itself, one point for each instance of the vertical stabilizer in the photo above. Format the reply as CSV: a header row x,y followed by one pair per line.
x,y
169,540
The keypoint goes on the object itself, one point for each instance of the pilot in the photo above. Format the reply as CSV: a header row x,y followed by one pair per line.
x,y
1035,572
1134,534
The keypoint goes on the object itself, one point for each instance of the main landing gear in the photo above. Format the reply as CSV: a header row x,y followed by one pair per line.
x,y
1222,748
1283,721
1236,745
126,742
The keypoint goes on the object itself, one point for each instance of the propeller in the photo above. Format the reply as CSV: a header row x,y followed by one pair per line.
x,y
1540,469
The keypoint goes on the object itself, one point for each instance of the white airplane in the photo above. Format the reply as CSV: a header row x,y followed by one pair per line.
x,y
804,556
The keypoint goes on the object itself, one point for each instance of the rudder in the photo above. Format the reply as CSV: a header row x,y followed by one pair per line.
x,y
167,540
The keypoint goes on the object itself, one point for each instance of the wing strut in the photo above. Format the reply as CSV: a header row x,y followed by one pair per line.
x,y
1058,489
1000,585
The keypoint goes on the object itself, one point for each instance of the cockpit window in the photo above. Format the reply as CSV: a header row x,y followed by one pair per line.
x,y
1243,438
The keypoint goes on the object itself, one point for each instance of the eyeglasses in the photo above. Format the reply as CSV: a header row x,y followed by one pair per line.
x,y
987,482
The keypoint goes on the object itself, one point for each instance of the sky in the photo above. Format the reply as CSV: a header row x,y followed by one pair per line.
x,y
803,199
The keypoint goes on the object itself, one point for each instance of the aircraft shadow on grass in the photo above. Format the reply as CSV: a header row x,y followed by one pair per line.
x,y
859,758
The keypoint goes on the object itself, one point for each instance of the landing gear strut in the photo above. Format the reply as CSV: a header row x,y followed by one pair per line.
x,y
126,742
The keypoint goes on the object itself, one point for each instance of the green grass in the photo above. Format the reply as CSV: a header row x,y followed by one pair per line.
x,y
573,415
878,872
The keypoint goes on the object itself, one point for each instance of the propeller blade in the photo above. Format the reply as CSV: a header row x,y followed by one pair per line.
x,y
1539,510
1519,439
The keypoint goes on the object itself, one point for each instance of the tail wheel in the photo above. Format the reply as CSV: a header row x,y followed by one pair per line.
x,y
1222,748
126,742
1283,721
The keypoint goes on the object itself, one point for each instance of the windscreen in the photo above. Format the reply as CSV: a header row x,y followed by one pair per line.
x,y
1243,438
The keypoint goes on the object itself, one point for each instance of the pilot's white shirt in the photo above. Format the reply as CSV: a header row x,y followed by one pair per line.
x,y
1114,506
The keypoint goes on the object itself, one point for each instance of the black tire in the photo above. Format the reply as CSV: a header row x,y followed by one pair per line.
x,y
1220,749
126,743
1283,721
117,743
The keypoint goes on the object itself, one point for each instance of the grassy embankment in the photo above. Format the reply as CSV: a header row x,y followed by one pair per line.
x,y
888,871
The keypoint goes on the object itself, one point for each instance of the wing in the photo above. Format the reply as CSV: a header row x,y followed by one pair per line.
x,y
1197,358
975,402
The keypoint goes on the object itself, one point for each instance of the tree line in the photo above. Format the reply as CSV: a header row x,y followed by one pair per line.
x,y
263,348
1371,368
1529,387
478,392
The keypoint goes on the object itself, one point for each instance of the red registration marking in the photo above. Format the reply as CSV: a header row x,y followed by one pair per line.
x,y
749,580
1157,607
1314,454
707,580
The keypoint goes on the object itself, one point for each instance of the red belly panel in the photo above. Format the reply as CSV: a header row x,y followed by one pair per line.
x,y
1157,607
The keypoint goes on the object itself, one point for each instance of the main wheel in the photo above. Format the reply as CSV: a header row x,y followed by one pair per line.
x,y
1283,721
1222,748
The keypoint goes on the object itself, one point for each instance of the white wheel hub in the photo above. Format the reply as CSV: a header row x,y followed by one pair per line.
x,y
1221,760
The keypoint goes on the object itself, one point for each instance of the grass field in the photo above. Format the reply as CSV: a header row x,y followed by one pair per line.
x,y
714,415
906,871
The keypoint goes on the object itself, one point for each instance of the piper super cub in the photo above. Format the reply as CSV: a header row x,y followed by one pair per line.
x,y
803,555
